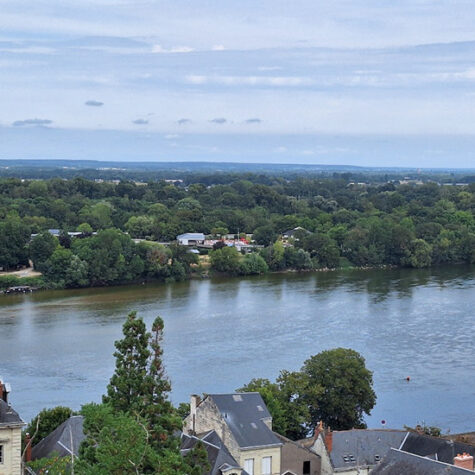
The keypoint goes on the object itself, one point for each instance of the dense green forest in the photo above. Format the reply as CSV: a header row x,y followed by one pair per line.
x,y
348,225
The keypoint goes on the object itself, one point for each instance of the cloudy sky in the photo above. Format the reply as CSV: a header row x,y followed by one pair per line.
x,y
359,82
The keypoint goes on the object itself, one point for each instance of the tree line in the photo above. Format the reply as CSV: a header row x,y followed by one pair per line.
x,y
345,225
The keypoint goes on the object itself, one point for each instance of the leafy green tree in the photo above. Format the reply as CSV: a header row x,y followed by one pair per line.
x,y
297,259
347,388
52,465
139,226
99,215
49,420
14,236
324,249
253,264
420,253
156,258
225,260
41,248
183,409
85,228
333,386
277,258
111,257
64,269
115,443
264,235
182,256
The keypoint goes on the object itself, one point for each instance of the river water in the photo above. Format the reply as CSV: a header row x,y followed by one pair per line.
x,y
57,346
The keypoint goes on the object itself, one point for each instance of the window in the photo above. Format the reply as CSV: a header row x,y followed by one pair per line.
x,y
249,466
266,466
306,468
1,453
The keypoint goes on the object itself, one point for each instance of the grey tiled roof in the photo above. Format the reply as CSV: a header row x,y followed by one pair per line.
x,y
219,457
8,416
363,447
59,440
244,414
435,447
398,462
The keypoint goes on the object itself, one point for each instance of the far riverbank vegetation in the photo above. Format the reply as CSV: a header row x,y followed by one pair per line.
x,y
110,233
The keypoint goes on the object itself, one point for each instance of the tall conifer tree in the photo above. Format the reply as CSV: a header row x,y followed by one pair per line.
x,y
139,385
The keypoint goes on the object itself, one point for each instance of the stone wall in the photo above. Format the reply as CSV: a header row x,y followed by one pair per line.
x,y
10,438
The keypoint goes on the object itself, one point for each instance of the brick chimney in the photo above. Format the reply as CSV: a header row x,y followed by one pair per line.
x,y
318,430
28,448
329,439
464,461
194,403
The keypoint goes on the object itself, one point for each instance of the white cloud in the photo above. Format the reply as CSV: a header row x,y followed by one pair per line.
x,y
270,81
175,49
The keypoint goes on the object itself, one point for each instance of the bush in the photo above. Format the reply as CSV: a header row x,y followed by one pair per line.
x,y
225,260
253,264
14,281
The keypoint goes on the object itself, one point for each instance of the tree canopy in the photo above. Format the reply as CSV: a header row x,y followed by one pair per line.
x,y
333,386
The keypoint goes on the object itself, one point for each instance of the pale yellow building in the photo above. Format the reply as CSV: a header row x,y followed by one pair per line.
x,y
10,435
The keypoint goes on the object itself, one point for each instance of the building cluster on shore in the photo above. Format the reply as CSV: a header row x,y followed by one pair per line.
x,y
236,432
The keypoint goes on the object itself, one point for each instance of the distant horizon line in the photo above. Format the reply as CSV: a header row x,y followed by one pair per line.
x,y
230,163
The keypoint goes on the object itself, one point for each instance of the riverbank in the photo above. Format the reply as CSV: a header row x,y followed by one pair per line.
x,y
37,282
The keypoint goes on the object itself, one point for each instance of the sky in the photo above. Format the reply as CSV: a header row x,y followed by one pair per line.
x,y
354,82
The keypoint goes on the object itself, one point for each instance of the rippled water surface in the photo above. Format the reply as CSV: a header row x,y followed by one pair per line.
x,y
57,346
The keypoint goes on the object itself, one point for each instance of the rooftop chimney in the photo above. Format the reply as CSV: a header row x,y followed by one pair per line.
x,y
329,439
318,430
1,389
194,403
28,448
464,461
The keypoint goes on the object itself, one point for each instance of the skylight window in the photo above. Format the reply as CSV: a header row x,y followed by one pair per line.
x,y
260,408
237,397
254,425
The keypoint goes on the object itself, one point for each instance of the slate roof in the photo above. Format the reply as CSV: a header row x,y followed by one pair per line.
x,y
218,455
59,440
8,416
244,414
441,449
196,236
363,447
398,462
291,232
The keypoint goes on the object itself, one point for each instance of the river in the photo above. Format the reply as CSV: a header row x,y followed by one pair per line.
x,y
57,346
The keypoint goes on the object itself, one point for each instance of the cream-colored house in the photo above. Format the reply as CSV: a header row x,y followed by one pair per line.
x,y
244,425
10,435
